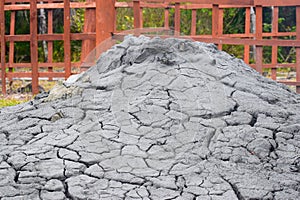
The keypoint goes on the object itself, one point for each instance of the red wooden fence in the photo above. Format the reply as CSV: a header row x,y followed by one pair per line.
x,y
35,70
100,24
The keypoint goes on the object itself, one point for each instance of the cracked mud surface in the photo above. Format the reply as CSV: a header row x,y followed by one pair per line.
x,y
155,119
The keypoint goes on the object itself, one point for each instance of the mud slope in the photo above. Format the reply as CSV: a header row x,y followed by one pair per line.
x,y
155,119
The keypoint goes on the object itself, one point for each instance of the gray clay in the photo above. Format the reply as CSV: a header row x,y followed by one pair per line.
x,y
155,119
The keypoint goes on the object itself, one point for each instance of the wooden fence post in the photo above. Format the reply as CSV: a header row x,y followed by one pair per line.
x,y
215,21
105,19
298,48
89,26
220,25
11,43
166,22
67,38
50,43
247,32
258,35
274,47
194,22
136,14
177,19
2,34
34,46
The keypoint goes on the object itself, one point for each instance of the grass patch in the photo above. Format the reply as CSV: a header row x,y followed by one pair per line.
x,y
14,97
4,102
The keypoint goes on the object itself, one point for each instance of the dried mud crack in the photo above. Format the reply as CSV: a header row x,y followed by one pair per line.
x,y
155,119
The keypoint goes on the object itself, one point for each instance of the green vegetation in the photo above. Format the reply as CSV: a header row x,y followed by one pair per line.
x,y
4,102
14,97
234,22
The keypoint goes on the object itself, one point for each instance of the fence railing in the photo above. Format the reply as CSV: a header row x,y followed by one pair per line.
x,y
49,69
101,23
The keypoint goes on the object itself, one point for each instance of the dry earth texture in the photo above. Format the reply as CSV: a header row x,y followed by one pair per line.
x,y
155,119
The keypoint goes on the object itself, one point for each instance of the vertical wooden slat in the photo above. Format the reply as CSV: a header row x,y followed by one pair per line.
x,y
298,48
67,38
258,35
89,27
258,22
2,34
220,25
141,17
105,19
136,14
247,20
259,61
166,23
177,19
274,47
215,22
34,45
194,21
114,21
11,43
247,32
246,53
50,43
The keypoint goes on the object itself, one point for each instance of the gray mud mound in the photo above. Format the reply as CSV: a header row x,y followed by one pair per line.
x,y
155,119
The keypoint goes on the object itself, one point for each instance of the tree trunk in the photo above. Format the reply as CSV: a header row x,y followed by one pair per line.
x,y
43,30
253,28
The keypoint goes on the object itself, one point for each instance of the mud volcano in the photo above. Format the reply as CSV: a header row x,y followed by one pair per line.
x,y
155,119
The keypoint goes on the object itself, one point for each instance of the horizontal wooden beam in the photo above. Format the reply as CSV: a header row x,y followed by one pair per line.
x,y
41,65
238,41
40,74
252,35
277,2
218,2
51,37
292,83
193,4
196,4
226,40
125,4
50,6
167,5
234,2
28,1
279,65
